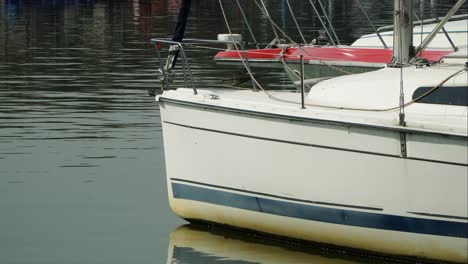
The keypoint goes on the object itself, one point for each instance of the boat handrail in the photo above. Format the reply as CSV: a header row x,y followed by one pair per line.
x,y
186,68
187,73
438,27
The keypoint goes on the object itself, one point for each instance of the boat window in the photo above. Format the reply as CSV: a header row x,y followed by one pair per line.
x,y
447,95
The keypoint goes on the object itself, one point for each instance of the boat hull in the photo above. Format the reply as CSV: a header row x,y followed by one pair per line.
x,y
328,182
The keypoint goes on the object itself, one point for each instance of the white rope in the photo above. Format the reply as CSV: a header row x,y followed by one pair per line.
x,y
359,109
434,88
374,110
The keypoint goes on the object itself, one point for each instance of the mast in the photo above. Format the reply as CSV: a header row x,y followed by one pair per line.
x,y
403,49
182,19
179,32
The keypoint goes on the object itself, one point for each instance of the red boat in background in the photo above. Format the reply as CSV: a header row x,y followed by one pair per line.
x,y
345,56
365,54
320,61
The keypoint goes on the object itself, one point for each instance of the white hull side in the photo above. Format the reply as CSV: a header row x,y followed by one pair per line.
x,y
353,169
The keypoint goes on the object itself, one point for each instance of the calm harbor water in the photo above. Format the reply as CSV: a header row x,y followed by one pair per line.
x,y
82,177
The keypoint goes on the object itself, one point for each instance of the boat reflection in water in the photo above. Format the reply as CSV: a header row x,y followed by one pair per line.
x,y
194,243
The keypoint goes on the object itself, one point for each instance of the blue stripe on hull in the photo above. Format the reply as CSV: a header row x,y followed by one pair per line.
x,y
321,214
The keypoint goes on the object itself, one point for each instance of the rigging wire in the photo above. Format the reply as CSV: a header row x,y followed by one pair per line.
x,y
422,21
449,39
400,51
400,106
372,24
323,23
269,18
265,12
243,59
329,22
244,17
295,21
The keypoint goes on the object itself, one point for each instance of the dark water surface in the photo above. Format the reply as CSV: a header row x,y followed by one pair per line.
x,y
82,177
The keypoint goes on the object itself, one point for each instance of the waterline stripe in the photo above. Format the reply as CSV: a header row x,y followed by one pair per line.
x,y
439,215
277,196
321,214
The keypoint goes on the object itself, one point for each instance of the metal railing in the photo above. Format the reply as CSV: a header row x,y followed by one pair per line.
x,y
186,71
426,21
185,65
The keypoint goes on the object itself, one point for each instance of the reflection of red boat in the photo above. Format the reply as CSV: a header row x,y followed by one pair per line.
x,y
321,61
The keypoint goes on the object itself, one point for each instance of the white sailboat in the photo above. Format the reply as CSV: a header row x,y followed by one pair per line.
x,y
369,161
